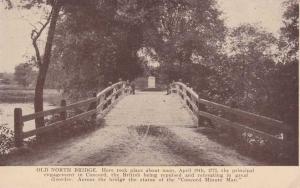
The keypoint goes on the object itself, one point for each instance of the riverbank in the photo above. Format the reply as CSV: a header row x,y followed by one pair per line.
x,y
17,94
14,96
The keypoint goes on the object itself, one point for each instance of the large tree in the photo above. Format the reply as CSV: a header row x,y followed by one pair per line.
x,y
287,77
251,54
96,45
99,42
190,31
42,60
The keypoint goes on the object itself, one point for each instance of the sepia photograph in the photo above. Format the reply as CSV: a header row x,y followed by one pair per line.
x,y
149,83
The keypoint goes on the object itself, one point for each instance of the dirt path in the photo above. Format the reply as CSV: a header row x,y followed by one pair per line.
x,y
149,128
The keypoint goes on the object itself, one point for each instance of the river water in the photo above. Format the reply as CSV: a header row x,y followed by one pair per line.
x,y
7,114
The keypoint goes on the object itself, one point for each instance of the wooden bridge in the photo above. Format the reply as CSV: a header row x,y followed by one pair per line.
x,y
148,128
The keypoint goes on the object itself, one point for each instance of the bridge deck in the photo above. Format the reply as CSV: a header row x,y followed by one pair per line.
x,y
149,128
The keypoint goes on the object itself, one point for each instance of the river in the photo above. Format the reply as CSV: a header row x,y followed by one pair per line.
x,y
7,114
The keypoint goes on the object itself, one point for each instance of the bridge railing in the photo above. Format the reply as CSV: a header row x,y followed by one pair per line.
x,y
99,104
239,120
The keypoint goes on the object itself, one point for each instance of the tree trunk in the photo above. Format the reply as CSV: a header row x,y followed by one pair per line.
x,y
41,78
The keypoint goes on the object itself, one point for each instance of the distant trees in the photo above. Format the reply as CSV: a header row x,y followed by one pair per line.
x,y
24,74
6,78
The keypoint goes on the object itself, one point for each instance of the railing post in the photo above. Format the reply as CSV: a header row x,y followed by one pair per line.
x,y
169,88
178,87
172,86
100,100
93,106
233,117
127,84
18,127
63,114
122,87
114,90
184,94
187,84
202,120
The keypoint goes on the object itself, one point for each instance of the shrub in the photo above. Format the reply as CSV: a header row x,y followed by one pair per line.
x,y
6,139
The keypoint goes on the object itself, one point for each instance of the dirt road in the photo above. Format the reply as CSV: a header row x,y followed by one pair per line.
x,y
149,128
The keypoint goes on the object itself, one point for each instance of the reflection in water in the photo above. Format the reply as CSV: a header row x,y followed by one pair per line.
x,y
7,113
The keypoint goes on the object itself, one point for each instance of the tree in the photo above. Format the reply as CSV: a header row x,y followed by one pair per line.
x,y
95,45
189,30
44,61
287,75
23,74
123,67
251,54
290,31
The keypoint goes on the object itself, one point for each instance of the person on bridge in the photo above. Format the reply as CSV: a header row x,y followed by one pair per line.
x,y
168,89
132,88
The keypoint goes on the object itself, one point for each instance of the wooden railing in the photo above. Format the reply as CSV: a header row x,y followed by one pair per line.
x,y
99,104
239,120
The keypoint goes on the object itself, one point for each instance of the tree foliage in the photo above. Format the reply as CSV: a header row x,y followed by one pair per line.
x,y
24,74
287,75
191,30
246,70
290,31
92,51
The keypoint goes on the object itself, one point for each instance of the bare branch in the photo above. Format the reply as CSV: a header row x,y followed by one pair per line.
x,y
35,36
33,26
9,4
43,27
41,23
38,55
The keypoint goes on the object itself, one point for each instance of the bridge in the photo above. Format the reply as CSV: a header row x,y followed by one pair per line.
x,y
148,128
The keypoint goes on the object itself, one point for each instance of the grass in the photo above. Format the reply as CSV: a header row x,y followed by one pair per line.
x,y
249,145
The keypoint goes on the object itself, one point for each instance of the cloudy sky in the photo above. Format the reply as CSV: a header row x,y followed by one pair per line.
x,y
16,25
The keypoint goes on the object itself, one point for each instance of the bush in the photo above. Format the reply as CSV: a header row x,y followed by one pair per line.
x,y
6,139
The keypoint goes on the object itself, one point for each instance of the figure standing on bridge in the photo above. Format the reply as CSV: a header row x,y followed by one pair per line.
x,y
132,88
168,89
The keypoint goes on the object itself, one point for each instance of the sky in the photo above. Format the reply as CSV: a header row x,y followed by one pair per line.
x,y
267,13
16,25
